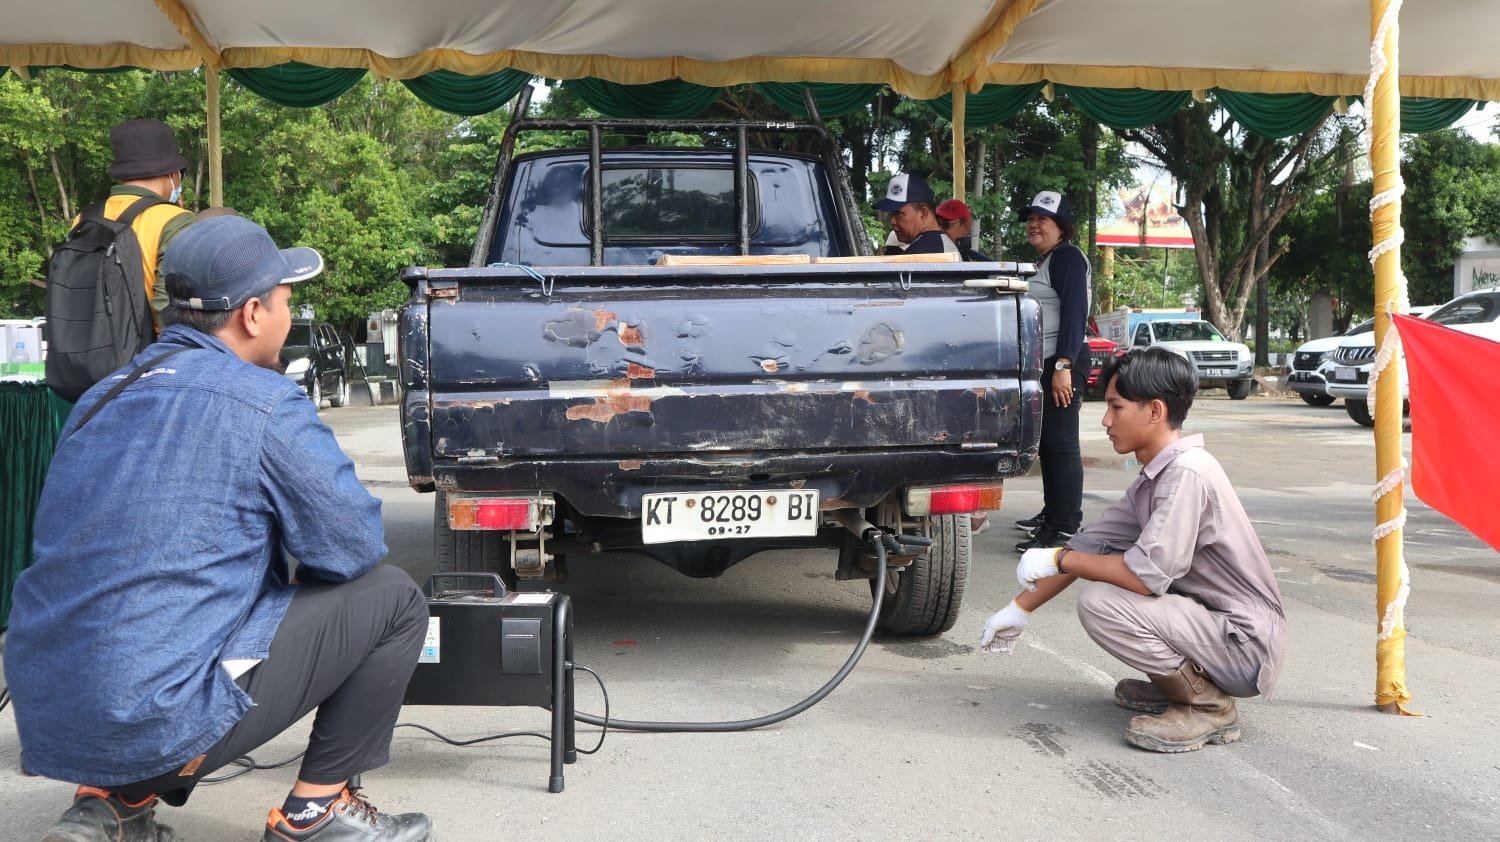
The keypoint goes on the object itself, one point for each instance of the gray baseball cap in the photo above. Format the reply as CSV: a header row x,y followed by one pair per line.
x,y
225,261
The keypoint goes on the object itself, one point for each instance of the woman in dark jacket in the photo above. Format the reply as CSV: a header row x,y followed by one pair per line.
x,y
1061,286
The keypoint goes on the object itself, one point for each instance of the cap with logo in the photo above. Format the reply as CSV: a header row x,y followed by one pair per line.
x,y
144,149
954,209
228,260
904,188
1049,203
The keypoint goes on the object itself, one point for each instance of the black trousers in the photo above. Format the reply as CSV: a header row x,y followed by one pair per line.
x,y
346,649
1059,453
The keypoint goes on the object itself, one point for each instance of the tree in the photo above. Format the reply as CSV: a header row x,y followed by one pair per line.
x,y
1238,189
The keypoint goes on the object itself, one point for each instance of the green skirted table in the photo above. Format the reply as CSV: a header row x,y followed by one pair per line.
x,y
30,419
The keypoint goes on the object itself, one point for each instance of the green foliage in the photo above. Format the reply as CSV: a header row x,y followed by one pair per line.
x,y
378,181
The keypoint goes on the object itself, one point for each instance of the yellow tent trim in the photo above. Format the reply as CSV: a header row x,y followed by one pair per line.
x,y
97,57
1245,81
969,66
721,74
613,68
189,29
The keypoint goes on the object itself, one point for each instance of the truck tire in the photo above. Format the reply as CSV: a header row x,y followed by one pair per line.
x,y
1240,389
929,592
463,551
1359,410
1318,400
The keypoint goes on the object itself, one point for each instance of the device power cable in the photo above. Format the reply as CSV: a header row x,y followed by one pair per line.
x,y
883,543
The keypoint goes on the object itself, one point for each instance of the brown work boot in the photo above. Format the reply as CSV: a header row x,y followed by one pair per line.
x,y
1198,712
1134,694
98,815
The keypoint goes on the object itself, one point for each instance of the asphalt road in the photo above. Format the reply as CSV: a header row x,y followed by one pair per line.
x,y
930,739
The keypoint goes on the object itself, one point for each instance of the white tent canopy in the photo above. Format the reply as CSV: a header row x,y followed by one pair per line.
x,y
1318,46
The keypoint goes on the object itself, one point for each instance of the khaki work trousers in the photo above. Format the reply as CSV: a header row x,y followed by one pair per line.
x,y
1156,634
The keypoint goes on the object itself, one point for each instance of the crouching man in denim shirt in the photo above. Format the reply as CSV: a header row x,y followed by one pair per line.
x,y
161,633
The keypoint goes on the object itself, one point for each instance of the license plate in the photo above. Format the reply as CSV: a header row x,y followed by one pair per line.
x,y
714,515
1220,372
1345,372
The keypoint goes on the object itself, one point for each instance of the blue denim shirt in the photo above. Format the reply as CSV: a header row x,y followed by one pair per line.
x,y
164,535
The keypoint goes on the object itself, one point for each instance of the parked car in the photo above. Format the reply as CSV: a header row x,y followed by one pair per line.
x,y
1101,351
1347,367
318,360
1218,361
1305,377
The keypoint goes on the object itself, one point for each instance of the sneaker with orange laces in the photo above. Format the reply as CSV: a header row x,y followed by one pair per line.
x,y
98,815
350,819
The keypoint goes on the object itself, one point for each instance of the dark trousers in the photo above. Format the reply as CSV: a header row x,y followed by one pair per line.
x,y
1058,451
346,649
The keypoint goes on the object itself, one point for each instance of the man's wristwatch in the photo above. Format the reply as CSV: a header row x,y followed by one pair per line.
x,y
1063,365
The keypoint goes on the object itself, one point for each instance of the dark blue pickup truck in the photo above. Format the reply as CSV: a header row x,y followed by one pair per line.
x,y
689,353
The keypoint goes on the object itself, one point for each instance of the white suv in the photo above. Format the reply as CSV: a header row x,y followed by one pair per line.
x,y
1347,367
1306,378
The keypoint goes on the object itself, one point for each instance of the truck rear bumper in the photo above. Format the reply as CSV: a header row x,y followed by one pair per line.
x,y
613,487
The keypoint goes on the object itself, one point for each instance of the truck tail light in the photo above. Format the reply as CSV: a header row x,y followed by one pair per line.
x,y
520,514
953,499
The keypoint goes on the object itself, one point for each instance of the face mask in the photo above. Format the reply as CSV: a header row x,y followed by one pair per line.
x,y
176,194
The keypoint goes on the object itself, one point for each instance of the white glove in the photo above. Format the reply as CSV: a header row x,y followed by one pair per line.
x,y
1002,629
1037,563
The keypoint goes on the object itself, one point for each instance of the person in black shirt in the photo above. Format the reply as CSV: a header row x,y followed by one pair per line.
x,y
909,200
957,221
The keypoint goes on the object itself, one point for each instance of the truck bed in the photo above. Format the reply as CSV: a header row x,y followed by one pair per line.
x,y
515,376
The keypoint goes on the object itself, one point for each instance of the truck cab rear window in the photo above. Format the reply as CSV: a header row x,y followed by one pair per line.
x,y
672,202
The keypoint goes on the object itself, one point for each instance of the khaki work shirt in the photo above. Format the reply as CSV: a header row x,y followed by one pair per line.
x,y
1183,530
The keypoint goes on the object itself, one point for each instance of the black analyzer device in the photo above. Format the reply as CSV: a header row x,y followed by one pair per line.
x,y
489,646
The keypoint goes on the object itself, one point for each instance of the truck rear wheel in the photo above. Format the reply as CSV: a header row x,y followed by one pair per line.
x,y
924,597
464,551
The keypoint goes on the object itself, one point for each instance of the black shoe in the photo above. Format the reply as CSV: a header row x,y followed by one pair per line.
x,y
100,816
351,819
1045,536
1032,523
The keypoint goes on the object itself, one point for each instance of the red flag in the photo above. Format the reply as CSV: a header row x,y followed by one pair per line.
x,y
1455,386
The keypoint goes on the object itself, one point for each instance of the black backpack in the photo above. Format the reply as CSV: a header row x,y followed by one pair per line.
x,y
98,315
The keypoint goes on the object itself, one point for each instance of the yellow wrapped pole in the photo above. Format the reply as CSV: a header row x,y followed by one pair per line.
x,y
1382,95
960,157
215,145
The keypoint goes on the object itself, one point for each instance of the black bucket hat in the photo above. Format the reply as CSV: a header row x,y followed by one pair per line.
x,y
144,149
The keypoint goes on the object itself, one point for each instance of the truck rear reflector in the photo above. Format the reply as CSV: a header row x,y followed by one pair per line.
x,y
521,514
953,499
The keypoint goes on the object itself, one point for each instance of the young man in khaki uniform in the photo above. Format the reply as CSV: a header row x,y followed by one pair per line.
x,y
1178,585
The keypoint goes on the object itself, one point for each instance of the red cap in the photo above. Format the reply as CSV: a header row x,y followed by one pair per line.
x,y
954,209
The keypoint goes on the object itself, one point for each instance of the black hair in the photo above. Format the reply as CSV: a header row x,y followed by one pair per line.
x,y
1147,374
1066,226
203,321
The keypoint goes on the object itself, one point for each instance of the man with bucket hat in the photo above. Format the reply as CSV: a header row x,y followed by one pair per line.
x,y
153,644
147,166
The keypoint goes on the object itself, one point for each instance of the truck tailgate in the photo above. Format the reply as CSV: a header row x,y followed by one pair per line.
x,y
804,364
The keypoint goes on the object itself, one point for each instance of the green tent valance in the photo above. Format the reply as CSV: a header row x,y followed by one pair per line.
x,y
1275,115
669,99
834,99
467,95
1126,108
296,84
1420,114
991,105
30,419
